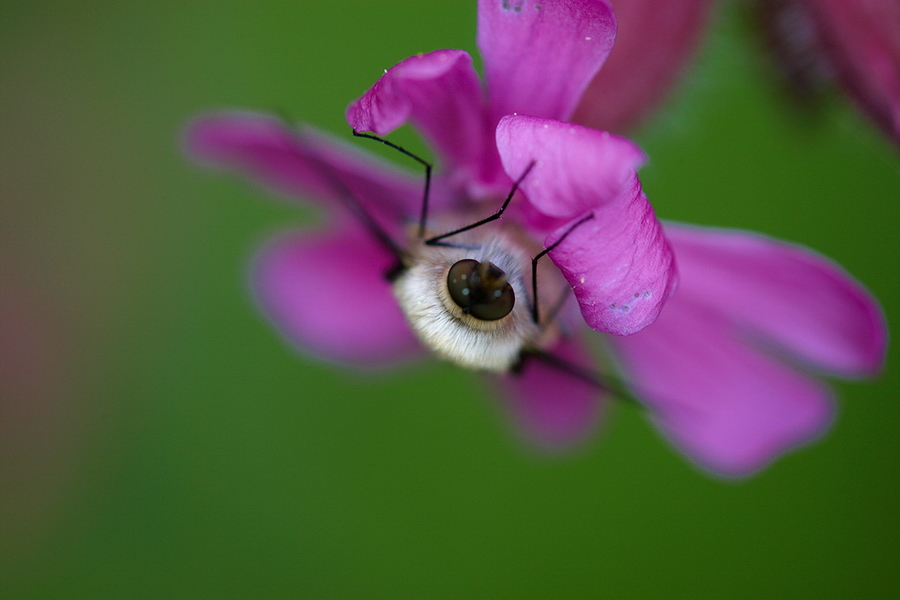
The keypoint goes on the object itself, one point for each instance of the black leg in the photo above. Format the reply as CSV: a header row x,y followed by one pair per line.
x,y
535,312
435,241
423,216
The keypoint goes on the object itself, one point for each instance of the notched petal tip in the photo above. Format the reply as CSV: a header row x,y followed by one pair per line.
x,y
300,163
213,139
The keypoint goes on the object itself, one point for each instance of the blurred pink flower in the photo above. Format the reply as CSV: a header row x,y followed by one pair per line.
x,y
724,367
655,42
856,42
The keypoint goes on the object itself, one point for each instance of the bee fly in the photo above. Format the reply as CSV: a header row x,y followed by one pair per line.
x,y
465,292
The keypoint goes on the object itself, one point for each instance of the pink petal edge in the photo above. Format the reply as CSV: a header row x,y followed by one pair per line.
x,y
327,294
553,409
719,366
726,405
786,298
302,163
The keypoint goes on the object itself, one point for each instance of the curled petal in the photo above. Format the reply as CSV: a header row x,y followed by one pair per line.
x,y
301,163
618,262
539,55
575,168
441,94
327,294
654,42
783,297
551,407
727,406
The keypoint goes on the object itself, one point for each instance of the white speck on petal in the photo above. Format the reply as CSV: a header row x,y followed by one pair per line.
x,y
587,39
582,280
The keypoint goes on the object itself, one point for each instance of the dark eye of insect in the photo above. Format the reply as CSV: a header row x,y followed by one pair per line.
x,y
481,289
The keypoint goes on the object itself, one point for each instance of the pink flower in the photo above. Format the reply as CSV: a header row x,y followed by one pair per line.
x,y
856,42
719,367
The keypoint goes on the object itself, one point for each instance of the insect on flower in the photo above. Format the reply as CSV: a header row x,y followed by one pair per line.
x,y
727,366
466,293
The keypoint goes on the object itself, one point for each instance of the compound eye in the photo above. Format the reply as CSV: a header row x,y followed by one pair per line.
x,y
480,289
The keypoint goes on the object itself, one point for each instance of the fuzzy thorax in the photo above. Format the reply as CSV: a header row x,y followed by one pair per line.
x,y
444,327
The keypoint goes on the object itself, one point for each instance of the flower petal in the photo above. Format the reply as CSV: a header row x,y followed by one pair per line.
x,y
575,168
327,294
552,408
654,42
539,55
785,298
441,94
302,163
714,366
727,406
619,264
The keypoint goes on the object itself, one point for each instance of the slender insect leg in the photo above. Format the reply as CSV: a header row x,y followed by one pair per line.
x,y
613,386
563,365
535,311
435,241
332,178
550,316
423,216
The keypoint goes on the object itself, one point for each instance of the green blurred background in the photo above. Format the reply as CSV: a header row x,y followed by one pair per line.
x,y
158,440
